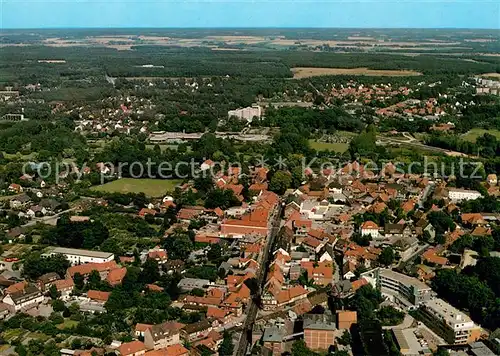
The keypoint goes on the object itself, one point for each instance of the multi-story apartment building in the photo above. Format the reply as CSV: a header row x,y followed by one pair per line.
x,y
247,113
77,256
454,326
405,289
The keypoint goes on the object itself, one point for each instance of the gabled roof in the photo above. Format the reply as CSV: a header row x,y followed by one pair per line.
x,y
98,295
131,348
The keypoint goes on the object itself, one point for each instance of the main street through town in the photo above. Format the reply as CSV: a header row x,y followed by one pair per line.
x,y
251,312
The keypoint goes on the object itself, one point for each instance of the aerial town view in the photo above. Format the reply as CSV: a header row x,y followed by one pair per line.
x,y
204,183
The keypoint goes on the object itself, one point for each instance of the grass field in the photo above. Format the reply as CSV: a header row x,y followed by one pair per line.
x,y
473,134
67,324
307,72
150,187
323,146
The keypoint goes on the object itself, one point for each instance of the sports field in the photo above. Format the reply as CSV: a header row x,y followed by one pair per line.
x,y
150,187
473,134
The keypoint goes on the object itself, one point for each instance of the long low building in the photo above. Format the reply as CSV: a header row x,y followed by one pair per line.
x,y
77,256
399,286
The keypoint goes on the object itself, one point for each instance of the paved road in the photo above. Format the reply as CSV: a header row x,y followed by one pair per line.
x,y
251,312
47,219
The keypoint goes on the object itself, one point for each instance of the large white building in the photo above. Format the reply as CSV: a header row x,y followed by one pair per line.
x,y
458,194
399,286
77,256
456,327
247,113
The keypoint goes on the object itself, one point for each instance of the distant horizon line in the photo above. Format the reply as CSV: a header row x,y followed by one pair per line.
x,y
248,28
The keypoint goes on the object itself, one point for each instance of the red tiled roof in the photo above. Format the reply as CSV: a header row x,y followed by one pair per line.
x,y
142,327
116,276
154,288
358,284
98,295
146,211
370,225
64,284
131,348
89,267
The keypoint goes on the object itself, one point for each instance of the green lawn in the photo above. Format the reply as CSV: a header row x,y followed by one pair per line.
x,y
150,187
323,146
67,324
473,134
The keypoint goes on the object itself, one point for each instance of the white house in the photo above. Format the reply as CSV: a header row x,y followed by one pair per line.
x,y
370,228
325,257
26,298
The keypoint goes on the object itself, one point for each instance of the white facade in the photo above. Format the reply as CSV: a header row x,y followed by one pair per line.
x,y
456,194
28,303
369,231
76,256
451,318
247,113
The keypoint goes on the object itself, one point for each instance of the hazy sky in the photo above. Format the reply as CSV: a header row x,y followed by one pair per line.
x,y
248,13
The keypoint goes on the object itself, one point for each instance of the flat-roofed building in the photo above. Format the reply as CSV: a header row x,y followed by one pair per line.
x,y
399,286
77,256
319,331
408,343
454,326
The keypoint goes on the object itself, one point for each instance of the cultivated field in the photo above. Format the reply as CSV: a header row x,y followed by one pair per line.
x,y
150,187
473,134
307,72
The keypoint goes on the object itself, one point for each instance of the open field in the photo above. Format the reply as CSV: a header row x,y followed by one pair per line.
x,y
323,146
150,187
307,72
67,324
473,134
492,75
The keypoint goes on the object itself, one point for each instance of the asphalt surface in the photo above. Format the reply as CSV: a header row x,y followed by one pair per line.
x,y
251,312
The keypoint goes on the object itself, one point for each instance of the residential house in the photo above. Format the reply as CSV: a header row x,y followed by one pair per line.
x,y
36,211
273,340
19,201
370,228
196,331
160,336
64,287
25,298
98,296
133,348
115,276
46,280
140,329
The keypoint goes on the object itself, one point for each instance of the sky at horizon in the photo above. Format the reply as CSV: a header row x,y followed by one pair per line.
x,y
16,14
